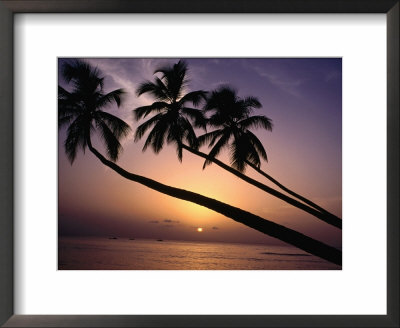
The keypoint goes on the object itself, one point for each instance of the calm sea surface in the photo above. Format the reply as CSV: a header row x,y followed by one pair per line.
x,y
93,253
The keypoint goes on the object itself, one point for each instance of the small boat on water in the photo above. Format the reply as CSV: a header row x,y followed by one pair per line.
x,y
131,238
159,240
112,238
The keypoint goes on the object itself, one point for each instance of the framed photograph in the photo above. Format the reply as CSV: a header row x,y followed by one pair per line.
x,y
179,119
201,164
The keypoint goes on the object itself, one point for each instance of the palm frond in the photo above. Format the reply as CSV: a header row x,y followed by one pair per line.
x,y
258,121
179,152
220,144
118,127
71,146
165,93
189,135
218,120
257,144
165,69
143,111
196,116
109,98
157,90
84,77
110,140
156,137
77,133
252,154
68,109
141,129
251,102
210,137
64,120
175,136
240,151
68,103
69,70
195,97
174,78
145,87
221,99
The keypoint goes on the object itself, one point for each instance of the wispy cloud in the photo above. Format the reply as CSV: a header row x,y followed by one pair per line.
x,y
331,75
171,221
285,83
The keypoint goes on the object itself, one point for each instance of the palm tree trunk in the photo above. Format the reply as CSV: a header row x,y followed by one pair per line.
x,y
330,219
272,229
291,192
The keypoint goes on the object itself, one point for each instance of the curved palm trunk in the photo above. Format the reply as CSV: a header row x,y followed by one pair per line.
x,y
330,219
275,230
290,192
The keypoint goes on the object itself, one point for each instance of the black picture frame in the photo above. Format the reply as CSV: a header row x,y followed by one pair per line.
x,y
10,7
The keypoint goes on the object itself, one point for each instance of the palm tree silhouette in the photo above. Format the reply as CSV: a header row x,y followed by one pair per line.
x,y
87,87
171,122
231,116
82,110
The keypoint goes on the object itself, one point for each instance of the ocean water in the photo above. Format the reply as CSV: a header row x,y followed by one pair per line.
x,y
94,253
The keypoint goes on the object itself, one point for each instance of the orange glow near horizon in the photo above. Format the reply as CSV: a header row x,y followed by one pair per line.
x,y
199,229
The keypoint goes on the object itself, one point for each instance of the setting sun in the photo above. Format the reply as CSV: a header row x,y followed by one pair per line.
x,y
199,229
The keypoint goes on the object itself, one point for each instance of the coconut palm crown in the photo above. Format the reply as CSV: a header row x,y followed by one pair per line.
x,y
231,115
174,119
82,109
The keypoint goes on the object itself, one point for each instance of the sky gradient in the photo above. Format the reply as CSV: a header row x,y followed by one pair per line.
x,y
303,97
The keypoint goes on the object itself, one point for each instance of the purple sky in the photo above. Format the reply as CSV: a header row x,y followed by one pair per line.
x,y
303,97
